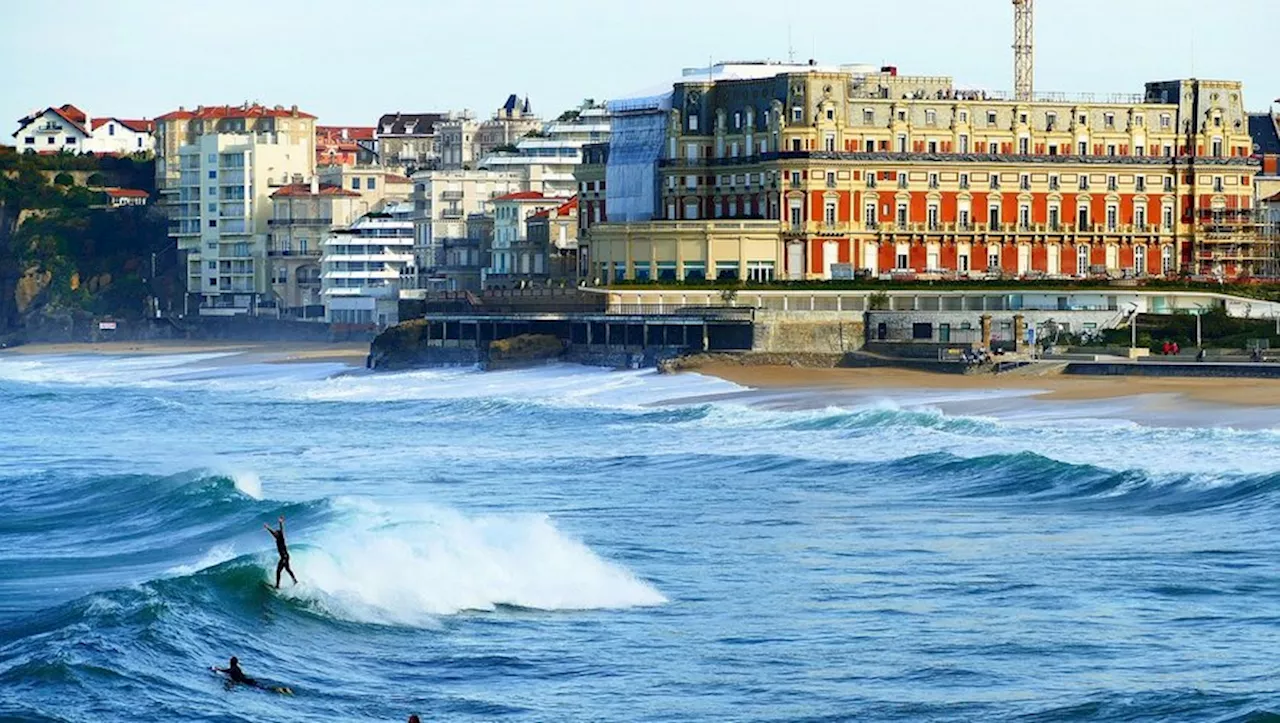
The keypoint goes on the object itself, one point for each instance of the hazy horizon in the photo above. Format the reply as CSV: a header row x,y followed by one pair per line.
x,y
142,58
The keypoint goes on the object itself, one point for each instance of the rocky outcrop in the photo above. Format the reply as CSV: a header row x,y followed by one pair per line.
x,y
408,346
524,350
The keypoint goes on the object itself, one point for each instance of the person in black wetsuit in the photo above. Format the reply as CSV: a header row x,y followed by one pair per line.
x,y
236,675
283,565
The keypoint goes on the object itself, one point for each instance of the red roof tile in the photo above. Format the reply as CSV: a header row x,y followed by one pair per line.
x,y
563,209
353,133
304,189
395,178
137,126
568,206
127,193
73,114
521,196
235,111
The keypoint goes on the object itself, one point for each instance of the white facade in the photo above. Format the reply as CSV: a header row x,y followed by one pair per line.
x,y
547,162
511,234
221,213
443,200
362,266
124,137
51,131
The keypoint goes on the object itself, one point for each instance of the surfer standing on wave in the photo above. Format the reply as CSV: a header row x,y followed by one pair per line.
x,y
283,549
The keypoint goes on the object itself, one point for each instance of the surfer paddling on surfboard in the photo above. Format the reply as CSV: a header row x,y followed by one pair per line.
x,y
237,675
283,549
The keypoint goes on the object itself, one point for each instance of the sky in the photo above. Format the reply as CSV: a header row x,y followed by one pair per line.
x,y
349,63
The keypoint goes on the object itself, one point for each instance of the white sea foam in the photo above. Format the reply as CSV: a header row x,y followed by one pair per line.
x,y
554,384
415,564
248,483
216,555
92,370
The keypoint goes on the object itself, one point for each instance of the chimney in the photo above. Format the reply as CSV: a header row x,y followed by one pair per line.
x,y
294,111
315,185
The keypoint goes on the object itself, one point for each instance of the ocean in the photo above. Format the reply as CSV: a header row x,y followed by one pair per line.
x,y
573,544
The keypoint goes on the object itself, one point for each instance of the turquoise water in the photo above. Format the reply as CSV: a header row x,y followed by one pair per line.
x,y
581,545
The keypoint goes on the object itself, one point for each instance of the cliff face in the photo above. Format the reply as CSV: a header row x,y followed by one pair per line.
x,y
66,258
9,272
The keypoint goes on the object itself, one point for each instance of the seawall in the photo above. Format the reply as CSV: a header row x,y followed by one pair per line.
x,y
1167,369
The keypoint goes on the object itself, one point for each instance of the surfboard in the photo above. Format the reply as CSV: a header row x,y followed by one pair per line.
x,y
267,686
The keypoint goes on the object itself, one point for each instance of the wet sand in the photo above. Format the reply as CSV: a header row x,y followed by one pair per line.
x,y
1243,392
351,353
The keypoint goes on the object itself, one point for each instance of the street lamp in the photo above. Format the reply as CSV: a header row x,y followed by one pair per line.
x,y
1133,328
1199,312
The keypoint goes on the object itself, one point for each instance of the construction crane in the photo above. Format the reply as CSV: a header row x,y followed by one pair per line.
x,y
1024,56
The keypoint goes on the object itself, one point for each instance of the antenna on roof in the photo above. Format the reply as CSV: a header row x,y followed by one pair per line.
x,y
791,50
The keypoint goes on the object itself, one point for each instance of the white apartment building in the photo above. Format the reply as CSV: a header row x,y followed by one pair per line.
x,y
442,202
547,160
362,267
221,211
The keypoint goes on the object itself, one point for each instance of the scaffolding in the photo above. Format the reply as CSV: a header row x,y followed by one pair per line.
x,y
1237,242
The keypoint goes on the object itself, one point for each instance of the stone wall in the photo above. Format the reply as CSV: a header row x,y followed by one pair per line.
x,y
820,332
1193,369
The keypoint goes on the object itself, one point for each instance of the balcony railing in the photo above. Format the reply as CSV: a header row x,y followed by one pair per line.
x,y
452,195
300,222
451,213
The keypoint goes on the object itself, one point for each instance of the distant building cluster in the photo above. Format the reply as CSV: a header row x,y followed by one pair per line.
x,y
745,171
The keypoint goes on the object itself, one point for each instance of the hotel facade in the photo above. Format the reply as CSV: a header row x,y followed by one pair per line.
x,y
776,172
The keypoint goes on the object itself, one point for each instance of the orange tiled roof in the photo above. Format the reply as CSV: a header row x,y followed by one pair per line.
x,y
563,209
73,114
354,133
235,111
521,196
396,178
67,112
137,126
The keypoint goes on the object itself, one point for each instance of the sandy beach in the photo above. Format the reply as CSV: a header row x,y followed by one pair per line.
x,y
1244,392
351,353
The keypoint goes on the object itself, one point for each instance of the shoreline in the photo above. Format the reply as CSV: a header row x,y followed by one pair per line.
x,y
349,353
1226,391
1236,392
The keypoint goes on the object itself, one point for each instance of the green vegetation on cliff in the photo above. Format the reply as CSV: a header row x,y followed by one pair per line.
x,y
64,251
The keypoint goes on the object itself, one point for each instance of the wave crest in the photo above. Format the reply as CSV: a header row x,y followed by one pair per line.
x,y
409,569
